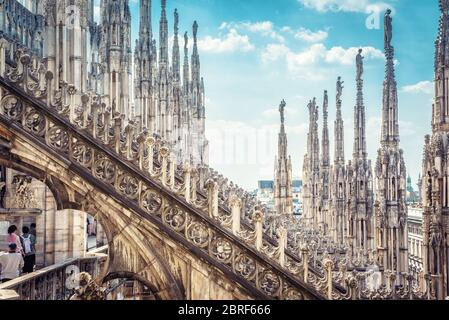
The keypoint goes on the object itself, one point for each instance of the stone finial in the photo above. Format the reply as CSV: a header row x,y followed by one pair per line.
x,y
388,29
359,63
444,6
195,31
186,41
340,88
282,111
176,15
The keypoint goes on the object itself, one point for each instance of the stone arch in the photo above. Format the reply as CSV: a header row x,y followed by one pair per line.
x,y
120,224
55,185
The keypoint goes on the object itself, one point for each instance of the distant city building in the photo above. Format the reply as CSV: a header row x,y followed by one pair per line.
x,y
415,239
412,195
265,194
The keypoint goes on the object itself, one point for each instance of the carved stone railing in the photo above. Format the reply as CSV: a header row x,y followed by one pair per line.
x,y
137,170
53,282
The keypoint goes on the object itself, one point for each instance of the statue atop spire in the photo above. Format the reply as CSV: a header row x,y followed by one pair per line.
x,y
359,62
282,111
176,56
195,31
388,29
163,36
444,6
390,125
186,41
339,88
176,22
282,193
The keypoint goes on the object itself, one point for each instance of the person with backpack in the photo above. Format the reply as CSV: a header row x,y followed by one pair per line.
x,y
28,242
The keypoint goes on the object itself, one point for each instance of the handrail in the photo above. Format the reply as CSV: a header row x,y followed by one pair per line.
x,y
50,283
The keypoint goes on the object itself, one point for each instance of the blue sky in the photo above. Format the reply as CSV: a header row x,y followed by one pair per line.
x,y
256,52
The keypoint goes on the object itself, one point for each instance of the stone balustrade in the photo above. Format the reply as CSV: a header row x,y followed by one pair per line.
x,y
54,282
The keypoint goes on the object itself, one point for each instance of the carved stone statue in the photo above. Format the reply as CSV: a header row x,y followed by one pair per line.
x,y
339,88
429,187
186,41
388,29
87,289
359,62
24,196
282,111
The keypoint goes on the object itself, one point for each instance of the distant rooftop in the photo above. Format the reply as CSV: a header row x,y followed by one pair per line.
x,y
269,184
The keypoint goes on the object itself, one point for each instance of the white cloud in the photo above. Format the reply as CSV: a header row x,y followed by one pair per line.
x,y
245,152
425,87
306,34
365,6
274,52
311,63
311,36
264,28
347,56
231,42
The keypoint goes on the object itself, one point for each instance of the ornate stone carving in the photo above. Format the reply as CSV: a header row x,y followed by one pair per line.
x,y
82,154
221,249
58,138
177,219
151,201
12,107
35,122
245,266
269,283
198,233
24,196
87,289
129,186
104,169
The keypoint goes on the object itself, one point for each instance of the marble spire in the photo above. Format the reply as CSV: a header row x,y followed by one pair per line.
x,y
390,125
391,191
359,113
283,195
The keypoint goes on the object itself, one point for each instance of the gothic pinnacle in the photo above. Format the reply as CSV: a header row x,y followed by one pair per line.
x,y
444,6
176,22
325,107
195,31
282,111
390,131
339,130
186,42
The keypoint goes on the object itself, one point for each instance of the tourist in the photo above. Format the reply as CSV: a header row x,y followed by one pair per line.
x,y
28,250
10,264
33,229
14,238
